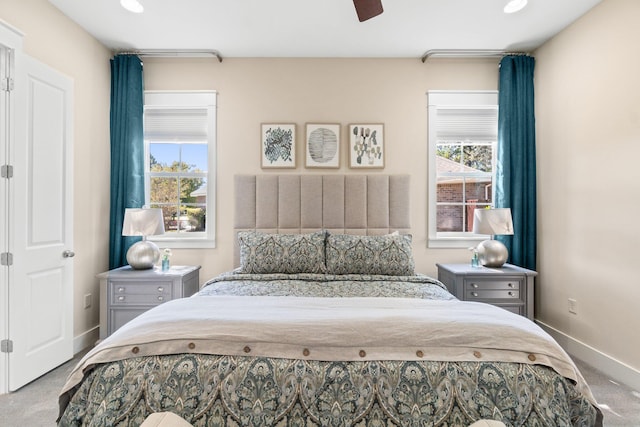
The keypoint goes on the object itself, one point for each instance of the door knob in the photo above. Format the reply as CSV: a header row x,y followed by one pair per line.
x,y
68,254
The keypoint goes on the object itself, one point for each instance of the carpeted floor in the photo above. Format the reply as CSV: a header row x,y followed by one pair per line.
x,y
619,404
36,404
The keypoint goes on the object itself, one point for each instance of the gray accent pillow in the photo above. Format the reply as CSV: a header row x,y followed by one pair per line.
x,y
282,253
390,254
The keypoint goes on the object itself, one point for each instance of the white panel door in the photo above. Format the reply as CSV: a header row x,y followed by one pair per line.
x,y
41,218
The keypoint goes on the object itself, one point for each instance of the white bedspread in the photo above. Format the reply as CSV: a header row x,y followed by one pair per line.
x,y
334,329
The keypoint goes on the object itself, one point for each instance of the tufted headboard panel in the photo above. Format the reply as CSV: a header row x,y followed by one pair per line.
x,y
343,204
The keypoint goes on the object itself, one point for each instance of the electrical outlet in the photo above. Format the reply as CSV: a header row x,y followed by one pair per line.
x,y
573,306
87,301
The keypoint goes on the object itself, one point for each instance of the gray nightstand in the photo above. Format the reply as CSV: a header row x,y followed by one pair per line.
x,y
125,293
509,287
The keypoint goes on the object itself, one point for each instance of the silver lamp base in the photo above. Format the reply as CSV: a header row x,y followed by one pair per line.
x,y
492,253
143,255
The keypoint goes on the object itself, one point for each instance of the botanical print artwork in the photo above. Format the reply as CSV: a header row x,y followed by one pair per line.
x,y
323,145
366,147
278,145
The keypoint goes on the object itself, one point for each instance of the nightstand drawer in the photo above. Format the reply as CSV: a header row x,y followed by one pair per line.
x,y
140,293
484,284
491,294
476,288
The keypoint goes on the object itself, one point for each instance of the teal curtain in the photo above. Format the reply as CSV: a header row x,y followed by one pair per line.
x,y
127,151
516,170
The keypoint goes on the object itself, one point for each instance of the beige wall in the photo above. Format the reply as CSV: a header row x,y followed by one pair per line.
x,y
253,91
588,136
52,38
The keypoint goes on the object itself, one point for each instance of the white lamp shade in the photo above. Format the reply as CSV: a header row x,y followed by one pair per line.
x,y
142,222
492,221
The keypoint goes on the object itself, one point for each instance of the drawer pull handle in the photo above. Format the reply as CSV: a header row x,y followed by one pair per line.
x,y
121,289
510,285
121,298
160,289
510,293
474,285
160,298
474,294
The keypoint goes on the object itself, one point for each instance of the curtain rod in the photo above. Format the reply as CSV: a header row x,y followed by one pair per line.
x,y
169,53
468,53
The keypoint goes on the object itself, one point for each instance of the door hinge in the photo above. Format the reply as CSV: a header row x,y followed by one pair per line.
x,y
6,258
6,346
8,84
6,171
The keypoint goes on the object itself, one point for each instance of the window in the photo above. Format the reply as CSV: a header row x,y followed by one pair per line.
x,y
179,142
463,131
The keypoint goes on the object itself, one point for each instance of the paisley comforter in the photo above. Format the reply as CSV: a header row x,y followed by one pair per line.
x,y
311,350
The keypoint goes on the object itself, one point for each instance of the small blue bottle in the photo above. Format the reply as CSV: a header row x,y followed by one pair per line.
x,y
474,259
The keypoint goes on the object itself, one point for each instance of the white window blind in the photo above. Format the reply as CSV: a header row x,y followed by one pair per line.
x,y
461,124
170,124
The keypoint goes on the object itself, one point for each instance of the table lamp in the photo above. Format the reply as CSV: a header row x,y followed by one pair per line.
x,y
492,253
144,254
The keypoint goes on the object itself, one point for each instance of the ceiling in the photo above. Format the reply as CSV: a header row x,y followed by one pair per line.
x,y
322,28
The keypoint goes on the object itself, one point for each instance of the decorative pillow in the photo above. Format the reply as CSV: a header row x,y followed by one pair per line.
x,y
282,253
390,254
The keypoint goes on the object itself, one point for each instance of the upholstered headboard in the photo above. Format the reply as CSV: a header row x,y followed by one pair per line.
x,y
344,204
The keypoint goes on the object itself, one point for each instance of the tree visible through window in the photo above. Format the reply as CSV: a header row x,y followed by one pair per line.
x,y
177,188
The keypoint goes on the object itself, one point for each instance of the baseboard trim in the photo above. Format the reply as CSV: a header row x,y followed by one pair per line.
x,y
86,339
615,369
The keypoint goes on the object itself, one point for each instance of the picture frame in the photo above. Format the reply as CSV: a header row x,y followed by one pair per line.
x,y
322,145
278,145
366,145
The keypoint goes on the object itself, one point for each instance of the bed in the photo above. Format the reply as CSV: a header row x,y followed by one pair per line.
x,y
326,322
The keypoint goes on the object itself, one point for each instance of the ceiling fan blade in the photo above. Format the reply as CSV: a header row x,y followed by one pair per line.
x,y
367,9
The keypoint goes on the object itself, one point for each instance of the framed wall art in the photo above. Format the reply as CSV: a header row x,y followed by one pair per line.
x,y
278,145
322,145
366,145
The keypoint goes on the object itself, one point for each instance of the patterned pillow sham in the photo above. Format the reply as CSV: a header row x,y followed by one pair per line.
x,y
390,254
282,253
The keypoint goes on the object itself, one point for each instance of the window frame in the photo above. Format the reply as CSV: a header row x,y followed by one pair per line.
x,y
451,99
205,99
